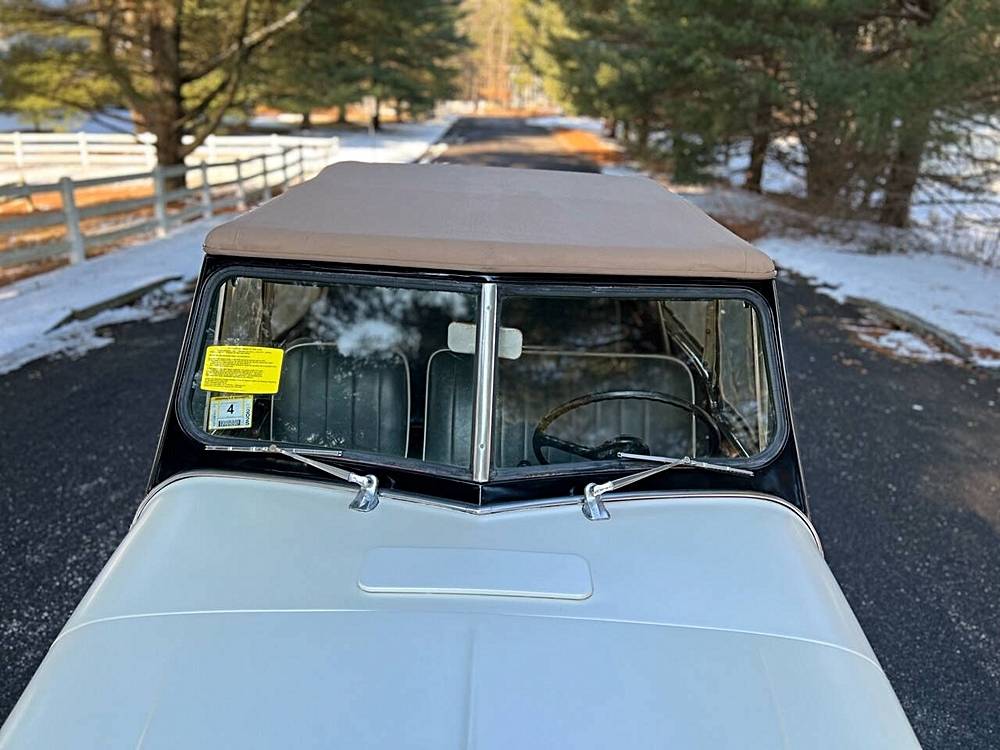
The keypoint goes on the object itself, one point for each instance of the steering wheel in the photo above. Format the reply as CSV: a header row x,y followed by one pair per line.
x,y
622,443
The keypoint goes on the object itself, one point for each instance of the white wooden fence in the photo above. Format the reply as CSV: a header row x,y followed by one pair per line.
x,y
116,149
85,220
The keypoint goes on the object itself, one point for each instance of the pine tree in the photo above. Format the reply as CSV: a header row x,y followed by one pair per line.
x,y
877,92
177,66
309,66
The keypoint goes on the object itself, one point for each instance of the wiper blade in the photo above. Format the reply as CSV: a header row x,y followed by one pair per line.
x,y
688,461
365,500
593,505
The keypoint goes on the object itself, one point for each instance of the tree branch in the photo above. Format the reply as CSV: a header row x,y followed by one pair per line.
x,y
210,125
246,42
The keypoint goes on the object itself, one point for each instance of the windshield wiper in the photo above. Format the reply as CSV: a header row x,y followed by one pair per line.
x,y
365,500
593,505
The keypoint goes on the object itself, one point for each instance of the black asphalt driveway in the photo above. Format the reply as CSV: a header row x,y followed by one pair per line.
x,y
902,461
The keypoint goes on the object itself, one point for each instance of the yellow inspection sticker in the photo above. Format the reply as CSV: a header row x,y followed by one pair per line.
x,y
242,369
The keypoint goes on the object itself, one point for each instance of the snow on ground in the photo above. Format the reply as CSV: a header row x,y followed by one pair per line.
x,y
395,143
590,124
117,122
944,219
902,344
954,294
778,177
33,311
957,295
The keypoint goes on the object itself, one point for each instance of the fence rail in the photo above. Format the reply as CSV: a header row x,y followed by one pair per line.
x,y
89,149
67,218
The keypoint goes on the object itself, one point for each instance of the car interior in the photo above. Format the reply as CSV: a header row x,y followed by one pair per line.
x,y
591,376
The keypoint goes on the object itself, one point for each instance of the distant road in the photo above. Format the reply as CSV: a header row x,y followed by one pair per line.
x,y
902,461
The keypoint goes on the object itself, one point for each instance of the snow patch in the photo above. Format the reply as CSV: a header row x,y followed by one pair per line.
x,y
394,144
32,311
566,122
901,344
957,295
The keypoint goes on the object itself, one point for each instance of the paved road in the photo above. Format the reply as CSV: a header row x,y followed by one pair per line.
x,y
902,461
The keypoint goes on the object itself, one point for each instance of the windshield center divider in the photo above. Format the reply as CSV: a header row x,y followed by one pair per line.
x,y
485,373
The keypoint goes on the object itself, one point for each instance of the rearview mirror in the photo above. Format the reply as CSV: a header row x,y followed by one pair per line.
x,y
462,340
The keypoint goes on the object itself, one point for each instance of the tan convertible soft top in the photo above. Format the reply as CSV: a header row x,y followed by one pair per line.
x,y
490,220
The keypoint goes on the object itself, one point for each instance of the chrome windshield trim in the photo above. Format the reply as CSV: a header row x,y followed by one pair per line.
x,y
482,432
501,507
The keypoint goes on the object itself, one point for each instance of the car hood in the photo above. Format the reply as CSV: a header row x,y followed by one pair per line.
x,y
262,613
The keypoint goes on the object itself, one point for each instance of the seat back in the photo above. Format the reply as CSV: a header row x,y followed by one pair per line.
x,y
532,385
448,417
332,400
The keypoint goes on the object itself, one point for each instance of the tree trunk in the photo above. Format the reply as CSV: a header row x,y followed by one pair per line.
x,y
342,114
642,135
758,146
902,178
164,113
306,123
828,167
376,115
611,127
169,154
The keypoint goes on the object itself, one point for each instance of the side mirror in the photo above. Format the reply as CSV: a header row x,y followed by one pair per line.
x,y
462,340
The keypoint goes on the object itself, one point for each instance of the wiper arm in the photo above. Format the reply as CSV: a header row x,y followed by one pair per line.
x,y
365,500
688,461
593,505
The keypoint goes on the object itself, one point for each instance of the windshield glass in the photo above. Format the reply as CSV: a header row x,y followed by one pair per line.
x,y
366,366
598,375
341,366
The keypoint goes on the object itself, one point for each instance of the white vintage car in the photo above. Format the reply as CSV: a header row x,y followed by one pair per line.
x,y
471,458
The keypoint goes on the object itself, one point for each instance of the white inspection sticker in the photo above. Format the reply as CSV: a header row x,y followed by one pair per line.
x,y
230,412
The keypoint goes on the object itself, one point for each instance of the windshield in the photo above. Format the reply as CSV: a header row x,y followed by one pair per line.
x,y
391,367
600,375
337,366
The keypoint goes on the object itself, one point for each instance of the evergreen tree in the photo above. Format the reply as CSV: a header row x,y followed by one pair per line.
x,y
177,66
877,92
399,51
310,66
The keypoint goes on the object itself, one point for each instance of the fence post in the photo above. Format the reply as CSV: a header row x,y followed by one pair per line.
x,y
81,140
284,169
149,139
264,174
241,193
18,149
302,164
206,193
77,250
159,201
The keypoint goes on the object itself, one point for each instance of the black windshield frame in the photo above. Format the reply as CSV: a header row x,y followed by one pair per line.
x,y
181,450
200,319
678,291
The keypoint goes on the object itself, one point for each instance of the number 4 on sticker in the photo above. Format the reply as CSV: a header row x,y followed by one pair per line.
x,y
230,412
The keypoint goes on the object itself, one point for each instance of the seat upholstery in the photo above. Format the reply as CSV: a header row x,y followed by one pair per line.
x,y
448,421
333,400
528,389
